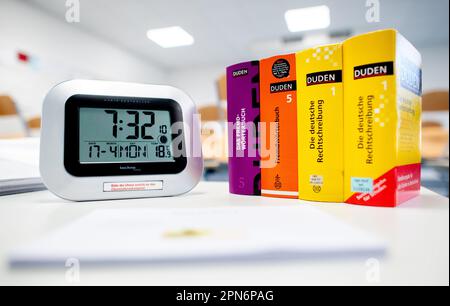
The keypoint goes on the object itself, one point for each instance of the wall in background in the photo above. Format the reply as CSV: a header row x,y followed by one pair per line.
x,y
59,51
435,67
200,82
64,51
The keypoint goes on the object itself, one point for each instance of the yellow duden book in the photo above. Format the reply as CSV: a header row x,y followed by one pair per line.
x,y
320,124
382,115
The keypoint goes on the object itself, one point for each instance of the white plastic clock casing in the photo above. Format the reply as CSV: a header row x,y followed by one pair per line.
x,y
69,187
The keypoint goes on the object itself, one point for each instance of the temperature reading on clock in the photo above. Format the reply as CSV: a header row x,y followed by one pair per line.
x,y
124,136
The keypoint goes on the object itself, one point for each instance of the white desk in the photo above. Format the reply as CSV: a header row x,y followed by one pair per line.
x,y
417,232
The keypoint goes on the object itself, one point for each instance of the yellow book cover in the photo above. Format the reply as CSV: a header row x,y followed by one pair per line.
x,y
382,115
320,124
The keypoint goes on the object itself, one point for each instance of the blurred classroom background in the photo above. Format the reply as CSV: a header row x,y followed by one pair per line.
x,y
44,42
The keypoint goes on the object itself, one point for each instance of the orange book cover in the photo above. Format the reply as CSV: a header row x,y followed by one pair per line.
x,y
278,86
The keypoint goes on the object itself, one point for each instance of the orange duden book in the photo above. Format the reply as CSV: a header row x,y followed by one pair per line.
x,y
279,159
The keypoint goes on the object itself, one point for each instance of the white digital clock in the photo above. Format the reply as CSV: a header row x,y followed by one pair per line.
x,y
111,140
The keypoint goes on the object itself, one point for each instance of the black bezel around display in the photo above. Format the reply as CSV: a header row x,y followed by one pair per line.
x,y
72,137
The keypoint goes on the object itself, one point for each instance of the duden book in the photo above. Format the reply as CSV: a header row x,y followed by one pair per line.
x,y
320,124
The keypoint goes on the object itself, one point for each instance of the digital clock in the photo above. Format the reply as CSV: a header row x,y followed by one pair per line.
x,y
111,140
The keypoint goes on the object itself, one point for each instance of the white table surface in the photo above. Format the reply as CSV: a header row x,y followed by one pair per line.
x,y
417,234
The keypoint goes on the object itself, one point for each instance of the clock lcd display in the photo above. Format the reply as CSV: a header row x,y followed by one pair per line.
x,y
109,135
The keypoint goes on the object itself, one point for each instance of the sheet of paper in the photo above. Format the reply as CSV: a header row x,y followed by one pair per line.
x,y
19,159
12,170
19,166
155,236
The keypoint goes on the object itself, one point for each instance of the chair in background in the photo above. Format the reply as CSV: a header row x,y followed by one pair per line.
x,y
212,113
435,135
11,124
435,101
214,134
34,126
222,88
214,138
435,141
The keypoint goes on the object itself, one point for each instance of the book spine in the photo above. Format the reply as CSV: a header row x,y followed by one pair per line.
x,y
243,98
279,127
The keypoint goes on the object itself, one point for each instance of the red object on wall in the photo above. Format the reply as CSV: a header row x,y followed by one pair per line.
x,y
22,57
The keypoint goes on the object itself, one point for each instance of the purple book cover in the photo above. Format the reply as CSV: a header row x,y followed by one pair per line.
x,y
243,121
